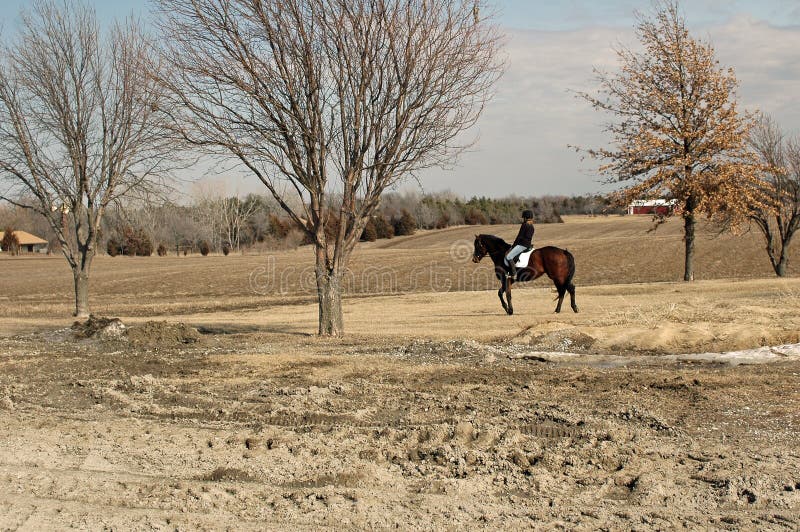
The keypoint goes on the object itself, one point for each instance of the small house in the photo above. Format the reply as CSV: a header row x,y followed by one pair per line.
x,y
28,243
660,207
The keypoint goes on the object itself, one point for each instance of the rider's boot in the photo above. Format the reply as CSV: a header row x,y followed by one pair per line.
x,y
512,269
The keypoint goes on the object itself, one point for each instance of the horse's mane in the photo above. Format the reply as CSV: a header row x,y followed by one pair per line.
x,y
494,239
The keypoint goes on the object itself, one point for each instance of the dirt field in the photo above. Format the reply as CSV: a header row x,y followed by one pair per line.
x,y
437,411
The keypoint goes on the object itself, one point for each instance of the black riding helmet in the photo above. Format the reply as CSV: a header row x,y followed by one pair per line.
x,y
527,214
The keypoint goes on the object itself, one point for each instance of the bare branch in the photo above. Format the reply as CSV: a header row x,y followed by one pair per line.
x,y
79,124
338,98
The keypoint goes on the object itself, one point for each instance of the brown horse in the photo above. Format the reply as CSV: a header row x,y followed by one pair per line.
x,y
557,263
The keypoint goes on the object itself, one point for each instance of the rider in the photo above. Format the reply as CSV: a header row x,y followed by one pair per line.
x,y
523,242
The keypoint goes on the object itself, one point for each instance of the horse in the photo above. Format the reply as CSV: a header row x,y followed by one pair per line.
x,y
557,263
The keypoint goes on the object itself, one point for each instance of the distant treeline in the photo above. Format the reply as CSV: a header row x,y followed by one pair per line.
x,y
256,222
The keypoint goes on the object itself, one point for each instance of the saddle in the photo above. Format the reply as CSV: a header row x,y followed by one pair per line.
x,y
522,258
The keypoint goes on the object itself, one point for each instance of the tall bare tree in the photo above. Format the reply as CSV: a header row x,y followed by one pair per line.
x,y
79,126
780,156
223,215
329,101
235,213
677,132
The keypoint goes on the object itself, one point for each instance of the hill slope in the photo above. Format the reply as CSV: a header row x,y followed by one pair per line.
x,y
608,251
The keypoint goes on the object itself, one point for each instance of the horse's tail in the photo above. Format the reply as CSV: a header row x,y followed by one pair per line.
x,y
571,265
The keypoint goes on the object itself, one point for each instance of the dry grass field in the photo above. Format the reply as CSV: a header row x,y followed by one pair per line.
x,y
436,411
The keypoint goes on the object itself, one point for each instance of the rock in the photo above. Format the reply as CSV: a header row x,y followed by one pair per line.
x,y
519,458
100,328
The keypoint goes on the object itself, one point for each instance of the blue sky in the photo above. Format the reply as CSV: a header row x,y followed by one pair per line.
x,y
552,46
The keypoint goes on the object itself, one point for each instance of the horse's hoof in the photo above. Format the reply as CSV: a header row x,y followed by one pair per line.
x,y
510,311
575,309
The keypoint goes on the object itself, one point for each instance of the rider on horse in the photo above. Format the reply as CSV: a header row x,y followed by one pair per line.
x,y
523,242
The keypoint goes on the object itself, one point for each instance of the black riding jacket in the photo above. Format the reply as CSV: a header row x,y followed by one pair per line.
x,y
525,236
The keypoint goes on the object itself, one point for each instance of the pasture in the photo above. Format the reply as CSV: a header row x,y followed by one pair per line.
x,y
436,410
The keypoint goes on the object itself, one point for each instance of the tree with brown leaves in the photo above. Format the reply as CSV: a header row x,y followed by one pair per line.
x,y
329,102
10,242
79,127
780,157
677,132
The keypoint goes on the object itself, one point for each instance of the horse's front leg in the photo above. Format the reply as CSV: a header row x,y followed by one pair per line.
x,y
502,289
510,309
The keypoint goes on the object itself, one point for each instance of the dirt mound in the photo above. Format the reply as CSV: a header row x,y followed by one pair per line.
x,y
555,337
99,328
162,333
151,333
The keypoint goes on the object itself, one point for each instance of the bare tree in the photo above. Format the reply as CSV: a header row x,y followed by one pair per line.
x,y
677,131
208,212
79,127
235,215
329,98
224,216
781,159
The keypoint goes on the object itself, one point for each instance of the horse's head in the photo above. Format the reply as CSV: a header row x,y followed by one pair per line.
x,y
480,250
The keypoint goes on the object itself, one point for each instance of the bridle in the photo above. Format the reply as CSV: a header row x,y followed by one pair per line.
x,y
480,250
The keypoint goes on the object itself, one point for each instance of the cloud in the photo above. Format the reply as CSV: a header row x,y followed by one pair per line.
x,y
767,64
524,132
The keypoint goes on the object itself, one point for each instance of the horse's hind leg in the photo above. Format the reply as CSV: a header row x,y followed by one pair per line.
x,y
571,288
561,291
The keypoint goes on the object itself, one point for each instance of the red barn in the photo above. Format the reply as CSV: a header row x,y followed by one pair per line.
x,y
661,207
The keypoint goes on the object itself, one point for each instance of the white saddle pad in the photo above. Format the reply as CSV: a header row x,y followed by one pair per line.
x,y
522,259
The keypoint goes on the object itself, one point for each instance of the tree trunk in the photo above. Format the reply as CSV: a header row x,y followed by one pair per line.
x,y
329,292
780,267
81,292
329,295
688,229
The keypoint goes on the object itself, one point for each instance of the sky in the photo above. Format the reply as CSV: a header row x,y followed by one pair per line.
x,y
523,138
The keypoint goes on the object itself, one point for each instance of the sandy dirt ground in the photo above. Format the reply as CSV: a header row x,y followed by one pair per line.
x,y
436,412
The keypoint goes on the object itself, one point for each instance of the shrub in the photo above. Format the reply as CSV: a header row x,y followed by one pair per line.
x,y
113,247
226,249
134,242
383,229
10,242
405,225
475,217
443,221
370,234
278,228
144,246
162,250
332,226
205,248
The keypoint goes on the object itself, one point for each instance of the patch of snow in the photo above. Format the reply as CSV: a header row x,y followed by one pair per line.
x,y
759,355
